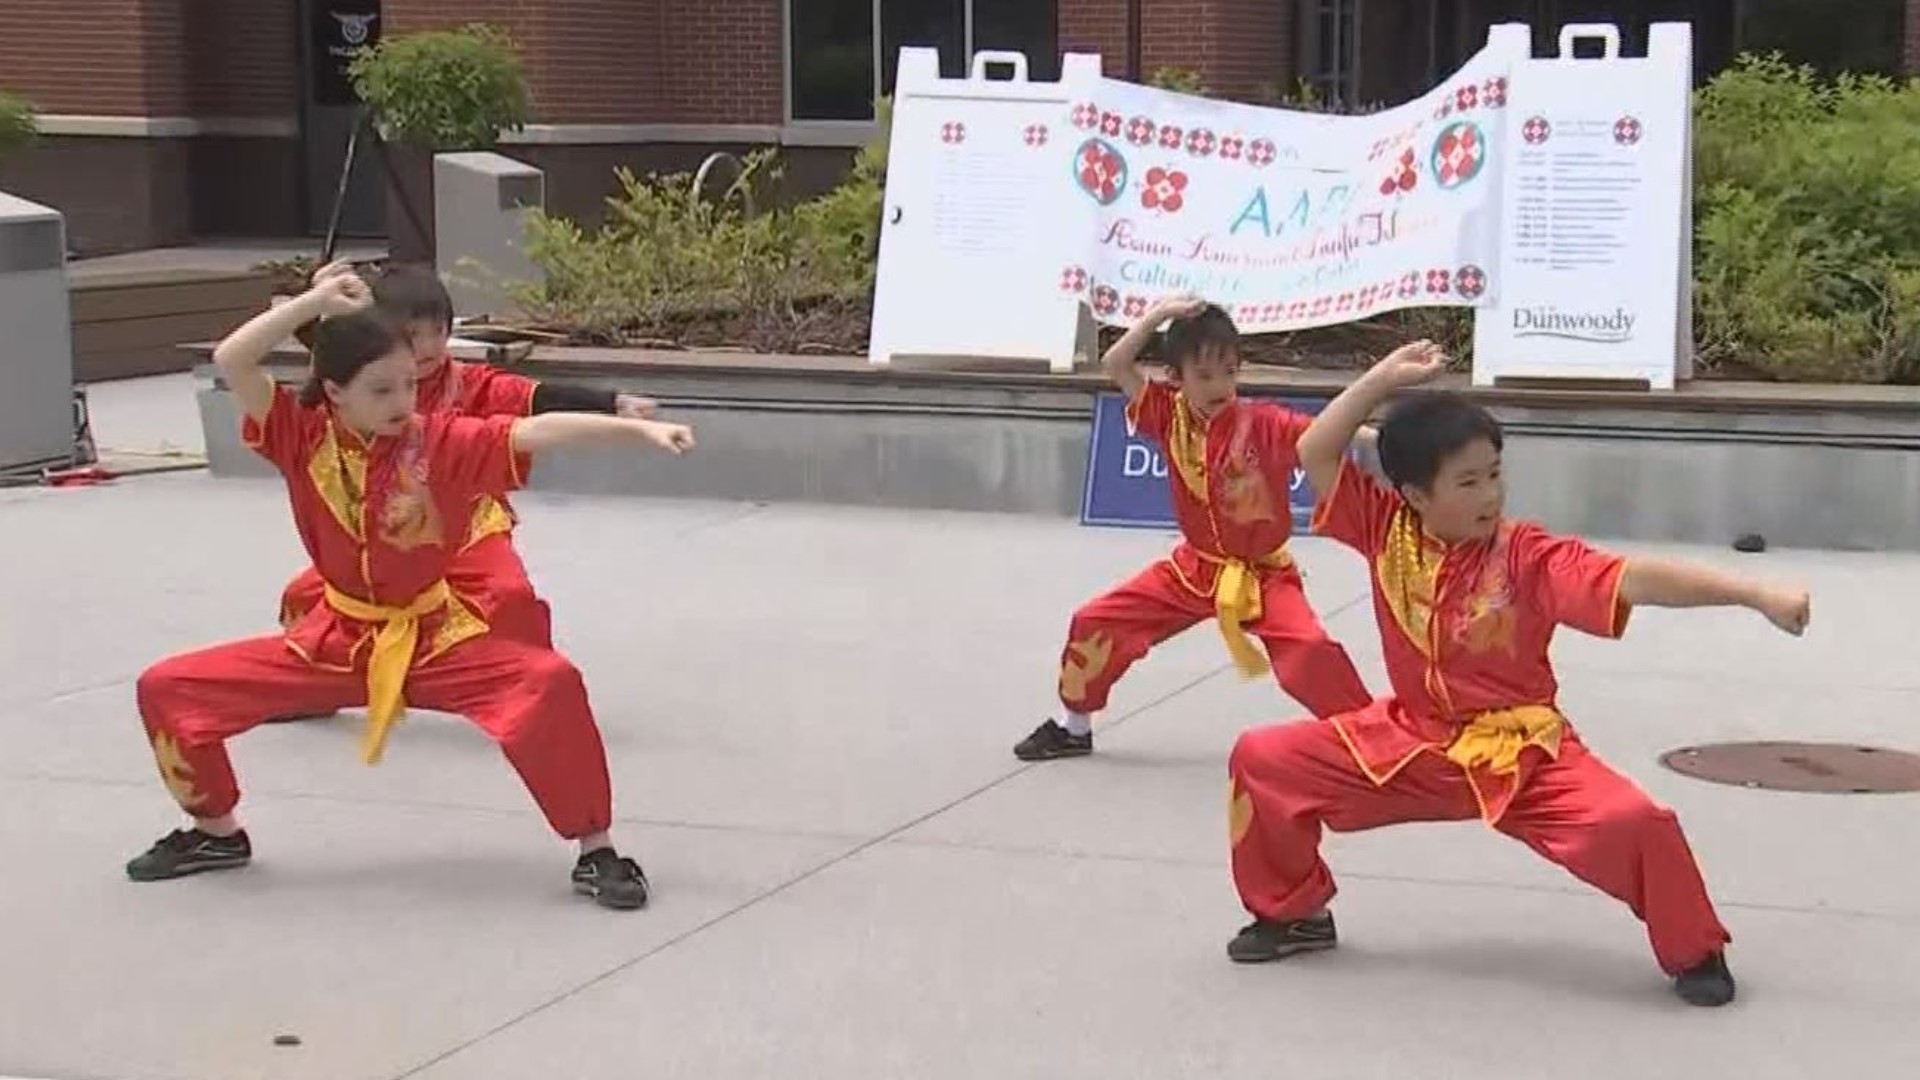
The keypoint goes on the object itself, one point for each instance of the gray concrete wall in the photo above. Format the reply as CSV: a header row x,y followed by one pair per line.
x,y
1806,479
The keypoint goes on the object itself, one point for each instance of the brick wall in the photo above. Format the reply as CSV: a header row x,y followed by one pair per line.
x,y
1097,26
631,61
1241,48
88,56
134,58
242,57
724,65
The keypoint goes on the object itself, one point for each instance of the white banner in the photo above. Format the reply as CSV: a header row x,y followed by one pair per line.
x,y
1288,219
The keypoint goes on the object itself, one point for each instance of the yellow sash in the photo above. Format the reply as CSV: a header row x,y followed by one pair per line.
x,y
1236,602
392,657
1495,739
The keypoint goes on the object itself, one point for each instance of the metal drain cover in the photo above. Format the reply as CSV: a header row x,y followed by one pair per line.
x,y
1834,768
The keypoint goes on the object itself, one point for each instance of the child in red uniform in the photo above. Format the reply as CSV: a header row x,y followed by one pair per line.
x,y
487,569
1231,465
381,497
1467,602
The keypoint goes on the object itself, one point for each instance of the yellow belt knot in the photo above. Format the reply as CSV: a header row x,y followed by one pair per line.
x,y
1236,602
1495,739
392,657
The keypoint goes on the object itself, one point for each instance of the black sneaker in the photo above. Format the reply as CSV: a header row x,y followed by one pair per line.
x,y
190,851
1262,940
1707,983
1050,740
611,879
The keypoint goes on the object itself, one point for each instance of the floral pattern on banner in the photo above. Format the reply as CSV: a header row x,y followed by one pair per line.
x,y
1289,220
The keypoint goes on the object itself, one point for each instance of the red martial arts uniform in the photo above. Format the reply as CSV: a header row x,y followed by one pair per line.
x,y
1230,477
1471,730
382,521
487,569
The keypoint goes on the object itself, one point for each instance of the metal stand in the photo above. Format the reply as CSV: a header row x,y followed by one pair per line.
x,y
364,127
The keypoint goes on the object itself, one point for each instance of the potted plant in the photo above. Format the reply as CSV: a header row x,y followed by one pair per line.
x,y
434,92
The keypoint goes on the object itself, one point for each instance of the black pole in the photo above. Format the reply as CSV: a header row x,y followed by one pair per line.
x,y
1133,41
340,196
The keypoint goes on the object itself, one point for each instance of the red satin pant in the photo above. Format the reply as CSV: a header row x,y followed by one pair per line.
x,y
1110,633
1289,780
530,699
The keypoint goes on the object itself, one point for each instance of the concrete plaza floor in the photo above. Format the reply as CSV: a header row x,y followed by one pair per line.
x,y
809,713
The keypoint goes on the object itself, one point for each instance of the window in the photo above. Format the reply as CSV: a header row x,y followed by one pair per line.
x,y
1329,50
1867,39
842,54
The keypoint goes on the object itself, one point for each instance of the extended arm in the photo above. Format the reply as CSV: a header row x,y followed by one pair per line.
x,y
543,434
1655,582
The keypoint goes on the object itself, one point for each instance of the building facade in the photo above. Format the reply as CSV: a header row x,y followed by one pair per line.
x,y
170,120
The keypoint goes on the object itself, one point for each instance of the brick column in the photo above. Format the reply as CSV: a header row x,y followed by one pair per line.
x,y
1241,48
1098,26
94,57
119,187
630,61
1910,51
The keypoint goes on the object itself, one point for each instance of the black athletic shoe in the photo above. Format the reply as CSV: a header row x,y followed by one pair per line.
x,y
1050,740
1707,983
1261,940
190,851
611,879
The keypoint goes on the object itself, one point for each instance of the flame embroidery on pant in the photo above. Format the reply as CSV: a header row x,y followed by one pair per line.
x,y
1239,814
1085,661
175,770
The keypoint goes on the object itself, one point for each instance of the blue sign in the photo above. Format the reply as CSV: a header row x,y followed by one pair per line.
x,y
1126,481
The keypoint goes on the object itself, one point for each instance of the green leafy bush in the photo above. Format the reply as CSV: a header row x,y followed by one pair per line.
x,y
1180,80
445,89
18,125
672,263
1807,225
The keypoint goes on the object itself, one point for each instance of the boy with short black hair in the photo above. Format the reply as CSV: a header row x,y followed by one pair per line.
x,y
1467,602
1231,465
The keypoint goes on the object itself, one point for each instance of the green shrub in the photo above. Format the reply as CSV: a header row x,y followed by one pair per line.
x,y
18,125
1807,225
670,262
1180,80
445,89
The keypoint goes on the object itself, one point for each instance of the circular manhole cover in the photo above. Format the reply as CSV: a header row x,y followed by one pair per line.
x,y
1836,768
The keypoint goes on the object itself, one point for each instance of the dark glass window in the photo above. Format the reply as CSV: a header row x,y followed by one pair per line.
x,y
1861,36
831,58
1023,26
831,45
932,24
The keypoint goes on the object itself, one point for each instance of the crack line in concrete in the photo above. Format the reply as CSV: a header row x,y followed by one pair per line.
x,y
790,883
387,803
1401,879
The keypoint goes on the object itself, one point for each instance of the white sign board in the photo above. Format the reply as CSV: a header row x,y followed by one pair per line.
x,y
1287,219
1551,195
1596,217
975,218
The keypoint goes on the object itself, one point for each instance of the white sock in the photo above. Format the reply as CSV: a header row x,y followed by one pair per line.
x,y
1079,723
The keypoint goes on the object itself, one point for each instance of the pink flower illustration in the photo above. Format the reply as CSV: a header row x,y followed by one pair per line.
x,y
1163,190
